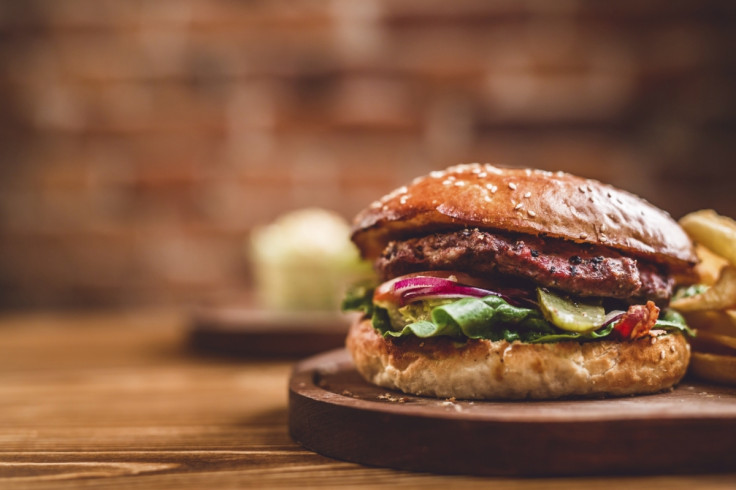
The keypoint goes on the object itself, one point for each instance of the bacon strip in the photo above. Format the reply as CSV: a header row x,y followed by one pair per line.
x,y
637,321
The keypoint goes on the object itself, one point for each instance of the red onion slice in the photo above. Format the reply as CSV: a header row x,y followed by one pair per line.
x,y
416,287
612,316
452,290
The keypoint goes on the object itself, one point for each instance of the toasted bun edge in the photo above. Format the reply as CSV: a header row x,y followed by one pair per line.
x,y
484,369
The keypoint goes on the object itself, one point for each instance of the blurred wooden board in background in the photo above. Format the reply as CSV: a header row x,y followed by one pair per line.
x,y
252,332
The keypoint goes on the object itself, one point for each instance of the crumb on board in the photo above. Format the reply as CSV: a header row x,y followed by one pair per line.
x,y
392,398
450,402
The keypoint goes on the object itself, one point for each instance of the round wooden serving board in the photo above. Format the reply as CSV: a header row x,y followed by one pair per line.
x,y
333,411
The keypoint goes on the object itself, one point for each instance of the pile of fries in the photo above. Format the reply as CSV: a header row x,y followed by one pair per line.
x,y
712,309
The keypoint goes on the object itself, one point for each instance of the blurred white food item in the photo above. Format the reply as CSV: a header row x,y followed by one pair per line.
x,y
304,260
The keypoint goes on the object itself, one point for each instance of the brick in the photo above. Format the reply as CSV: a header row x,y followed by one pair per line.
x,y
145,140
374,102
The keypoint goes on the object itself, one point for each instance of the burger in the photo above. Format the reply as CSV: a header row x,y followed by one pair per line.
x,y
502,283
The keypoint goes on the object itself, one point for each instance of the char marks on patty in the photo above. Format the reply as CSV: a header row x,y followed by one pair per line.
x,y
577,269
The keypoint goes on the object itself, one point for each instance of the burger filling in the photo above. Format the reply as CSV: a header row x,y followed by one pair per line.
x,y
478,284
577,269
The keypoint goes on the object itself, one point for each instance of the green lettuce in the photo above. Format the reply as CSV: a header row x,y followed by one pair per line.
x,y
672,320
489,318
359,297
692,290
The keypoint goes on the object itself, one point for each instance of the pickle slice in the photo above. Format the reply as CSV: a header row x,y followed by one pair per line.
x,y
569,315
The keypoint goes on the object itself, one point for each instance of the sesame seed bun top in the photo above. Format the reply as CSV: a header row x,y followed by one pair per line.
x,y
535,202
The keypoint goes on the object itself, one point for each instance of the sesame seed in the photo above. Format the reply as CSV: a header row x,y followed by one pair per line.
x,y
603,227
583,236
531,213
518,206
447,182
528,195
487,198
603,238
512,186
460,183
436,174
581,189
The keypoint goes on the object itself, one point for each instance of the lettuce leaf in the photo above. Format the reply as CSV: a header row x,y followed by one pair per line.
x,y
489,318
672,320
359,297
692,290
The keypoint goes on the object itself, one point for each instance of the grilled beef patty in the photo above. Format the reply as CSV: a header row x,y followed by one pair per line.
x,y
577,269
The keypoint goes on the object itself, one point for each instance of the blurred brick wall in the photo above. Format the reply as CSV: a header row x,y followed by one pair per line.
x,y
142,140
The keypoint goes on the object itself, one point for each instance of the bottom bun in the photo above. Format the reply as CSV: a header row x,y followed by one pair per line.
x,y
484,369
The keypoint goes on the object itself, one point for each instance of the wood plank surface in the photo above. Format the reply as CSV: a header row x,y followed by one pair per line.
x,y
118,400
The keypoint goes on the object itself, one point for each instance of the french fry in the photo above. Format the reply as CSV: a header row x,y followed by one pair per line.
x,y
715,232
714,367
716,339
720,296
710,265
712,312
709,346
715,322
716,331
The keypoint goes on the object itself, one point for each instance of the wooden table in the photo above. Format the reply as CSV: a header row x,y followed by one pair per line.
x,y
117,400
